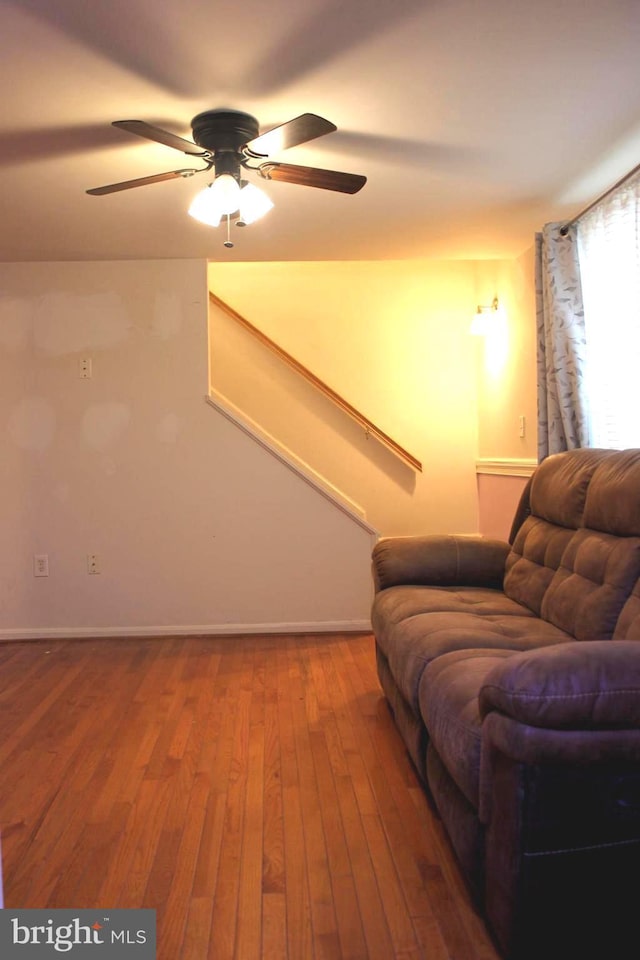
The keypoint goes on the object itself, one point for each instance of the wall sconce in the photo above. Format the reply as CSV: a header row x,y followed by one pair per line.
x,y
484,321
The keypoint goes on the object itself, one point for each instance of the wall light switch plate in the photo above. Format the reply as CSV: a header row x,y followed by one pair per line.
x,y
85,368
41,565
522,425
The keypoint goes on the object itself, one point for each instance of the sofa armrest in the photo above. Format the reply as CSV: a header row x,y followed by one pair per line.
x,y
560,798
589,685
439,561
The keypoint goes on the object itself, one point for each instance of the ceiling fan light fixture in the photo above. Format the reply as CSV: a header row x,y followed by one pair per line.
x,y
226,193
205,208
218,199
254,203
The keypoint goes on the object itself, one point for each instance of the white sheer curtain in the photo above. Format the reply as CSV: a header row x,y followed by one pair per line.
x,y
609,255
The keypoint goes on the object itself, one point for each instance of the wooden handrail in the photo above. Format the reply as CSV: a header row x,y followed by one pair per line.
x,y
370,428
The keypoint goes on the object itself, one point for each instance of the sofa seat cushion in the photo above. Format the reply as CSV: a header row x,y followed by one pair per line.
x,y
397,604
414,624
448,699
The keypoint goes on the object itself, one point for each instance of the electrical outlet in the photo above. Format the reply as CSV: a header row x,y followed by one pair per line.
x,y
93,563
85,368
41,565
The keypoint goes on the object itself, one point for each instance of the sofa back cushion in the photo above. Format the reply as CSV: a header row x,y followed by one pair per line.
x,y
557,499
560,485
613,497
597,573
628,625
533,561
613,504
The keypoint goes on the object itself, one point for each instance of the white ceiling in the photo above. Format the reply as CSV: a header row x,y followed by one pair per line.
x,y
475,121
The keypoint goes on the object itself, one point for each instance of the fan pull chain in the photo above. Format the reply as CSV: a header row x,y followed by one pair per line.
x,y
228,242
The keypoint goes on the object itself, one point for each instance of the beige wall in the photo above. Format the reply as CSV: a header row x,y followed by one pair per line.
x,y
506,363
392,338
196,526
498,499
506,377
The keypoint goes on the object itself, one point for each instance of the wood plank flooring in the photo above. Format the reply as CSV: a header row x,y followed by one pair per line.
x,y
252,790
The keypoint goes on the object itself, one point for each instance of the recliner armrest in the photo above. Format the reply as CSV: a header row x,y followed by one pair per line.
x,y
439,561
568,706
588,685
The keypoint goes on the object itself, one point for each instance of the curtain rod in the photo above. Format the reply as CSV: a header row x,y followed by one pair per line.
x,y
565,229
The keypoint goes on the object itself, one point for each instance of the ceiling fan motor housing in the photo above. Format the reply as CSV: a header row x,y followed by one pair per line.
x,y
224,133
224,130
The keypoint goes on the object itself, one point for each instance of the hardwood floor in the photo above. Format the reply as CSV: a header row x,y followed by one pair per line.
x,y
253,790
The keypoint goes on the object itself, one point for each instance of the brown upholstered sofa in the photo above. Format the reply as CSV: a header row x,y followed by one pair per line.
x,y
513,673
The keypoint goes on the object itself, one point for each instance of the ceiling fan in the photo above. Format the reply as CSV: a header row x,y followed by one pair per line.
x,y
228,141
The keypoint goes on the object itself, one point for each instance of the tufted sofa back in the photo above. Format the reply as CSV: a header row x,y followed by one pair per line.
x,y
575,561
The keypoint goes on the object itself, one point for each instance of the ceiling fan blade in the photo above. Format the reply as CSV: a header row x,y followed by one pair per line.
x,y
301,129
141,181
313,177
142,129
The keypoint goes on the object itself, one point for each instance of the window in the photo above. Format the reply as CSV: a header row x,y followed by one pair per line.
x,y
609,255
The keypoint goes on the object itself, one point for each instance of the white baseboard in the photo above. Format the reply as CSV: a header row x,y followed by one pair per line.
x,y
195,630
